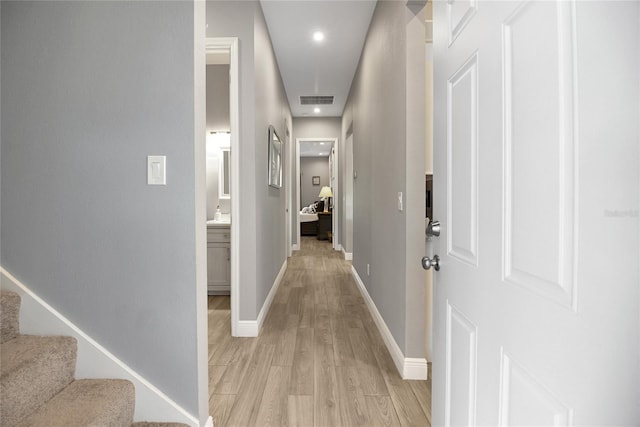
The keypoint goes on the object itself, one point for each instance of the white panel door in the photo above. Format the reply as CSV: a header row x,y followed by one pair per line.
x,y
536,184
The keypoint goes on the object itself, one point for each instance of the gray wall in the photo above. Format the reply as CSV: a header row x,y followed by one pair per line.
x,y
89,89
217,120
388,147
310,167
272,108
262,102
317,127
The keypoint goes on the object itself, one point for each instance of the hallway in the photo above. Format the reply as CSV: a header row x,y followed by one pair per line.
x,y
319,360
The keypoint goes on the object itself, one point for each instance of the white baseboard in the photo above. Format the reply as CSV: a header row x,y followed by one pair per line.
x,y
93,360
348,256
247,328
251,328
415,368
409,368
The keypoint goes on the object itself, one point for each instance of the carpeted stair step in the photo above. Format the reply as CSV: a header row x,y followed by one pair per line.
x,y
87,403
33,370
9,315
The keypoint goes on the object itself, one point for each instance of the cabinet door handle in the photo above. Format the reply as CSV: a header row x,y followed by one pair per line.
x,y
228,254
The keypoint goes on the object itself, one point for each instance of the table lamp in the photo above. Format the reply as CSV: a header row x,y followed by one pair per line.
x,y
326,192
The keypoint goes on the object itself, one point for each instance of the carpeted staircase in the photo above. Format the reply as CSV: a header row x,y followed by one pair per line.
x,y
37,385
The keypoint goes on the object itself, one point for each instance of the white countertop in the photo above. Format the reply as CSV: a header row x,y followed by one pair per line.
x,y
224,220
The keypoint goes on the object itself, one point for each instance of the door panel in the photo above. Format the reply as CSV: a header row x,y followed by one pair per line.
x,y
462,138
459,13
461,368
524,401
540,150
536,184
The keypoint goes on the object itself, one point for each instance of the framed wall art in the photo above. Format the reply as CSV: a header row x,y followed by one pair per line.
x,y
275,159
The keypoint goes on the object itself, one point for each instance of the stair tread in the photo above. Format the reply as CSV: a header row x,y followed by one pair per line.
x,y
9,315
33,370
87,402
20,350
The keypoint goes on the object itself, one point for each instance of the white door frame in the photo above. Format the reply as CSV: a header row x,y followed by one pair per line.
x,y
347,219
230,44
287,185
336,191
335,183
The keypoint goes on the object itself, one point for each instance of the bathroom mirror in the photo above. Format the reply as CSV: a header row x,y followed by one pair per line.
x,y
224,183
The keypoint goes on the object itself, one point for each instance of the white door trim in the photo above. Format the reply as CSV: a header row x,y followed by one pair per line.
x,y
287,184
230,44
336,191
336,196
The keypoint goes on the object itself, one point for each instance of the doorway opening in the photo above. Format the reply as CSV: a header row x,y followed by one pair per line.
x,y
222,144
317,166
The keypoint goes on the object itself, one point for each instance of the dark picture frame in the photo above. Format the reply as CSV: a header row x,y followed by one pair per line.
x,y
315,180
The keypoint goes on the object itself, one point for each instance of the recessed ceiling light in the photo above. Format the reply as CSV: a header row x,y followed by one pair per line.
x,y
322,143
318,36
316,110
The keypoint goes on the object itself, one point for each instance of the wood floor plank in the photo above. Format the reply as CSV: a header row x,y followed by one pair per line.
x,y
320,294
285,341
294,301
322,318
219,353
371,378
245,409
343,352
215,374
273,410
230,349
407,406
219,302
381,411
222,320
307,311
220,407
422,391
281,297
300,411
346,320
240,354
326,390
301,382
352,405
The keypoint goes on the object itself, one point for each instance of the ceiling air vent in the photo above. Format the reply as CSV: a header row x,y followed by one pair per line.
x,y
316,100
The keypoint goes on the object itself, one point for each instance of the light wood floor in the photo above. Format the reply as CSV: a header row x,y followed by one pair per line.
x,y
319,359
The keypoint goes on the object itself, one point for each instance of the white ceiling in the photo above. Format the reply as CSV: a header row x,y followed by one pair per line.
x,y
312,68
315,148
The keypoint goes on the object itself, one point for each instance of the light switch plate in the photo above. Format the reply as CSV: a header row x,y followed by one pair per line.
x,y
400,207
157,170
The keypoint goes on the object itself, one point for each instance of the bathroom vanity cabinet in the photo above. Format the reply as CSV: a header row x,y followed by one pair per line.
x,y
219,259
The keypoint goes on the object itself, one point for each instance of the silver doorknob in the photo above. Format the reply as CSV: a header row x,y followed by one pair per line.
x,y
433,229
434,262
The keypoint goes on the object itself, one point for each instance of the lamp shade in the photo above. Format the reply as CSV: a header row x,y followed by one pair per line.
x,y
325,192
